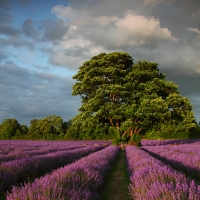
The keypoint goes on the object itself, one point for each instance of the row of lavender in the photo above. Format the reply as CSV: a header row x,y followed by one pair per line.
x,y
12,149
26,170
80,180
184,157
169,142
152,179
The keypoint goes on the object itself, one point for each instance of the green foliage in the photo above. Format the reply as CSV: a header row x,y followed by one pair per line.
x,y
195,132
9,128
49,128
136,138
127,100
167,135
170,132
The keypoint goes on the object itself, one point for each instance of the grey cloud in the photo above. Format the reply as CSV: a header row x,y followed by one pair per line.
x,y
9,31
26,95
71,58
11,75
43,68
184,73
10,68
6,4
176,15
47,50
194,17
17,42
14,37
2,56
5,18
28,28
104,7
53,31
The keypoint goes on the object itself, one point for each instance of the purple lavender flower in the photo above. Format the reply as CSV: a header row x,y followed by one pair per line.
x,y
152,179
80,180
27,169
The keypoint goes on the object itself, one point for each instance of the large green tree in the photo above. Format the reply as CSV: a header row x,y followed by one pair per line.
x,y
129,99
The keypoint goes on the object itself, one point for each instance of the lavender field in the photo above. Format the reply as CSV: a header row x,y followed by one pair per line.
x,y
77,170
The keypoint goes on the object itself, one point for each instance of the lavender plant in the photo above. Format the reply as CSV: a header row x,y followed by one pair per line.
x,y
169,142
80,180
17,171
10,150
151,179
183,157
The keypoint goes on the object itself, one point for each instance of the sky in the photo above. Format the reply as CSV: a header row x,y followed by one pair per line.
x,y
43,44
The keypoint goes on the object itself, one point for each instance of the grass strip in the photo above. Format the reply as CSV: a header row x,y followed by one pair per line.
x,y
117,181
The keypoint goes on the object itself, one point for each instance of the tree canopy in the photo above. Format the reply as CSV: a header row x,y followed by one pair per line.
x,y
127,99
50,128
11,129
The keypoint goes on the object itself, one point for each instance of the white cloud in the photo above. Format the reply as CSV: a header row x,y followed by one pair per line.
x,y
194,30
112,32
90,35
64,13
138,30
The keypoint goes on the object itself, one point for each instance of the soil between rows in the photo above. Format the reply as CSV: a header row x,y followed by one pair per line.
x,y
117,181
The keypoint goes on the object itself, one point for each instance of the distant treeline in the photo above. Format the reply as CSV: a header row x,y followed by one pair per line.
x,y
49,128
54,128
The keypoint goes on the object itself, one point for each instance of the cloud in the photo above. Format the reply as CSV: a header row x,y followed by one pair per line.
x,y
194,17
45,31
116,32
28,28
29,94
195,42
3,55
157,2
72,53
54,30
9,31
113,31
5,18
65,13
5,4
8,3
194,30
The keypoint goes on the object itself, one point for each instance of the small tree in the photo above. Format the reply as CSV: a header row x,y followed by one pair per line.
x,y
49,127
9,128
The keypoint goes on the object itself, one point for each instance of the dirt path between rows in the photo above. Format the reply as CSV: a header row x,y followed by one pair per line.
x,y
117,182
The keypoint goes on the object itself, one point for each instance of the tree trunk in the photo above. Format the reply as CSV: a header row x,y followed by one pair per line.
x,y
137,130
117,123
111,122
131,133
